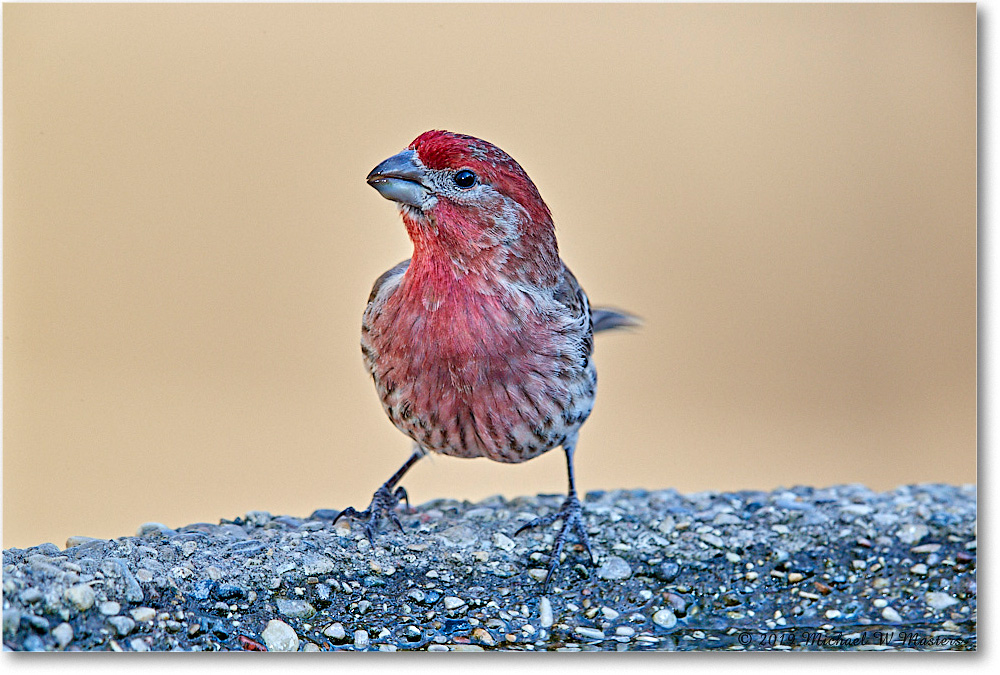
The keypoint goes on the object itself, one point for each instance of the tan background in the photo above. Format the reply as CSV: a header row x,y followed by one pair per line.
x,y
786,193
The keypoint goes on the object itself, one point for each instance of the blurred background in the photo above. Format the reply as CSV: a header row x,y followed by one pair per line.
x,y
785,193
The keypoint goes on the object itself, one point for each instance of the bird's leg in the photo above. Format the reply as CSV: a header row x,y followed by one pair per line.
x,y
571,515
385,500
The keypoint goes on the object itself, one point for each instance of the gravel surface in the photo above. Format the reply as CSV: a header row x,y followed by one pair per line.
x,y
841,568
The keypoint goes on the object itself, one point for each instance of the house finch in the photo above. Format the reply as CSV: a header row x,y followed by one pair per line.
x,y
480,344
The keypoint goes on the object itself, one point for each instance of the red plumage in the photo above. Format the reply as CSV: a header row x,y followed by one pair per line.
x,y
479,345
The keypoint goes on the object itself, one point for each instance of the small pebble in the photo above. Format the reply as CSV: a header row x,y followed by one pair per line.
x,y
110,608
317,564
484,636
502,541
614,568
296,609
589,633
31,595
712,539
143,614
545,617
361,639
452,602
937,600
280,637
81,595
664,618
11,620
919,569
311,647
335,631
123,625
63,633
538,574
149,528
891,615
912,533
833,614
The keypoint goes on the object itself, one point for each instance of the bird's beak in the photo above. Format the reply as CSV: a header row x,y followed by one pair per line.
x,y
400,178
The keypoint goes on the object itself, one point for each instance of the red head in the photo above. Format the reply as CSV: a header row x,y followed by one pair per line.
x,y
467,201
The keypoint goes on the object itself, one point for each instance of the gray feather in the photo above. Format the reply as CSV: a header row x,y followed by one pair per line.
x,y
607,318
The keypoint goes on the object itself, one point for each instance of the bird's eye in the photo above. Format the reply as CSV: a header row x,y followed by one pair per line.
x,y
465,179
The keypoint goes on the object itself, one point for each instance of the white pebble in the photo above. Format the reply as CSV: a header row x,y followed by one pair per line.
x,y
891,615
361,639
335,631
143,614
110,608
538,574
452,602
502,541
63,633
545,612
665,619
81,595
912,533
938,600
590,633
280,637
614,568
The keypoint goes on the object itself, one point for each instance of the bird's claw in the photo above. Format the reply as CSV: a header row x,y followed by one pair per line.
x,y
383,504
571,515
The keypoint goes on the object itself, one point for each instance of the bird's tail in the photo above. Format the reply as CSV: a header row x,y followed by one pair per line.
x,y
606,318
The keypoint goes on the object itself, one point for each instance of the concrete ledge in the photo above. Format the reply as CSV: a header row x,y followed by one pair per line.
x,y
818,569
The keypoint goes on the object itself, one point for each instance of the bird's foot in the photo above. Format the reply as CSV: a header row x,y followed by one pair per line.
x,y
571,515
383,504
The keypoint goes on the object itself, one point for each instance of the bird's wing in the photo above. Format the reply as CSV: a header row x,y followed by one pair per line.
x,y
571,295
388,280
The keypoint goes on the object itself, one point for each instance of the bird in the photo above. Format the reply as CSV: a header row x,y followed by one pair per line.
x,y
480,344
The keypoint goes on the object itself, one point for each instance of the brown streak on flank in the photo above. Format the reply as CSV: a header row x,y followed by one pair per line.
x,y
475,430
460,427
